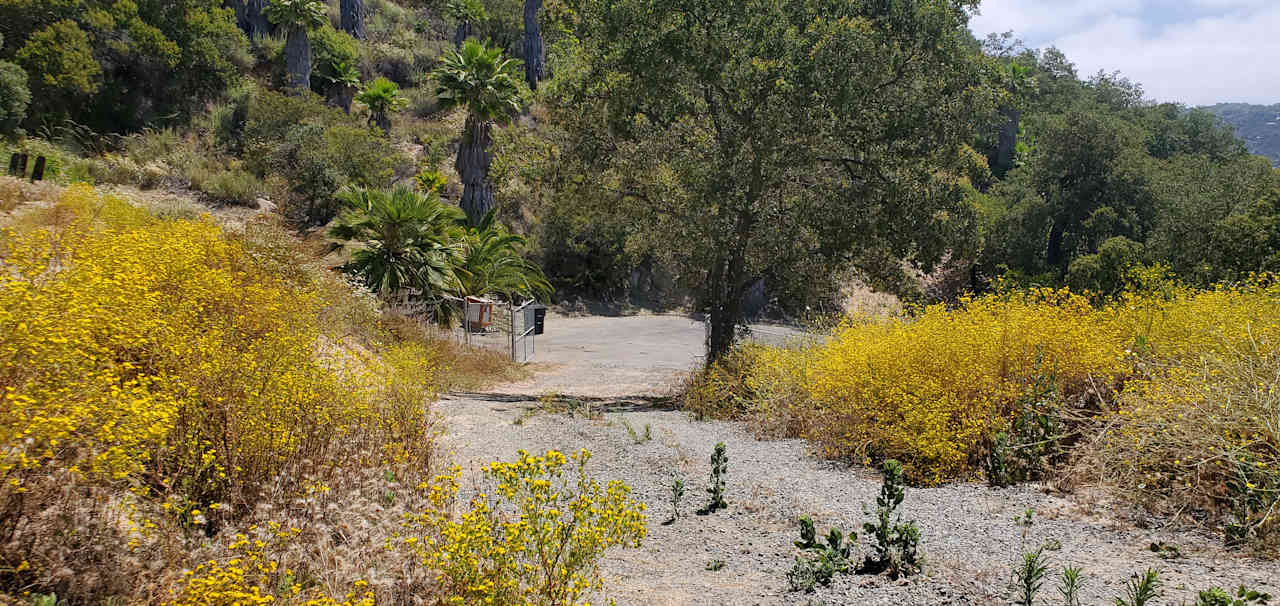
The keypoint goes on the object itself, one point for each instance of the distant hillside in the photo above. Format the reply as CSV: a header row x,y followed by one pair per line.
x,y
1258,125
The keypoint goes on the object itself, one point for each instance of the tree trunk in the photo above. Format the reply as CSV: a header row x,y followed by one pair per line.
x,y
1053,256
473,163
727,284
297,52
533,51
383,121
250,18
353,18
1007,145
345,96
462,33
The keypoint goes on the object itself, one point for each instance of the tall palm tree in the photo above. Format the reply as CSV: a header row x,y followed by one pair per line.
x,y
487,85
297,17
404,241
492,263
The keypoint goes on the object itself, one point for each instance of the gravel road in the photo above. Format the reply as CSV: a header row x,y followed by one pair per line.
x,y
621,368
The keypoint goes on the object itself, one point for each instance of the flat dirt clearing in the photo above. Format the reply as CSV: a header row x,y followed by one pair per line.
x,y
620,369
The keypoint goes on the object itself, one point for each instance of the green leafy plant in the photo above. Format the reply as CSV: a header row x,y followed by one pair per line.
x,y
1029,577
1142,589
808,533
382,97
405,241
636,436
896,543
493,263
1069,586
677,493
429,181
715,565
1243,596
719,471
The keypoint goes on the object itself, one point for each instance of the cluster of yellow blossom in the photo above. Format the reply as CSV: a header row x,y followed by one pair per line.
x,y
930,388
159,355
534,541
251,577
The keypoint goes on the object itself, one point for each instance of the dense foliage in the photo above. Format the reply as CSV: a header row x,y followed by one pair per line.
x,y
121,65
1099,180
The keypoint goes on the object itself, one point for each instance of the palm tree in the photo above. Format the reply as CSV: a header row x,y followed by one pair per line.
x,y
492,264
405,241
352,18
487,85
382,97
297,16
467,13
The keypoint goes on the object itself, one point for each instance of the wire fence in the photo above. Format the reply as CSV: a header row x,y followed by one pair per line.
x,y
474,322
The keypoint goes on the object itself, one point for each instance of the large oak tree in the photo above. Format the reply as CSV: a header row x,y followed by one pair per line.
x,y
776,137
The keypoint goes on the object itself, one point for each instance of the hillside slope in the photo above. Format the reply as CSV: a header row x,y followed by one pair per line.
x,y
1258,125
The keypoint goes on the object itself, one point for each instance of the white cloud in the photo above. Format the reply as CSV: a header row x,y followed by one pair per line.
x,y
1230,55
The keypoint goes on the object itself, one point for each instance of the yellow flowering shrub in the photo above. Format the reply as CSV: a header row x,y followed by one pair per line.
x,y
534,540
157,352
183,375
932,388
1200,428
927,390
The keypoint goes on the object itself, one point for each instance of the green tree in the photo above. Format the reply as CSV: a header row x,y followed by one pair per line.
x,y
119,66
1218,220
382,97
776,137
14,96
297,17
480,80
62,60
493,264
404,241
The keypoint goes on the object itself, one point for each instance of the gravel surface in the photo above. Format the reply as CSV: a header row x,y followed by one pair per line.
x,y
970,539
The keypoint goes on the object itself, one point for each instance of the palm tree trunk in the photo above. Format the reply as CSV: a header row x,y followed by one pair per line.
x,y
473,163
1008,142
343,96
297,52
533,51
461,34
353,18
250,18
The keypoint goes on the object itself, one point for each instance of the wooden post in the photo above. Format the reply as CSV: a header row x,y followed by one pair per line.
x,y
13,165
37,173
22,166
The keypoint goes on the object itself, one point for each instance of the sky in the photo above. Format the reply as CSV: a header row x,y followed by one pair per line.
x,y
1197,52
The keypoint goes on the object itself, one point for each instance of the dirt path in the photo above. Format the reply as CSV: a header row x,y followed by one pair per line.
x,y
621,368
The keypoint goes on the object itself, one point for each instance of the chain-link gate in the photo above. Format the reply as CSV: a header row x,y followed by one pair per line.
x,y
475,321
